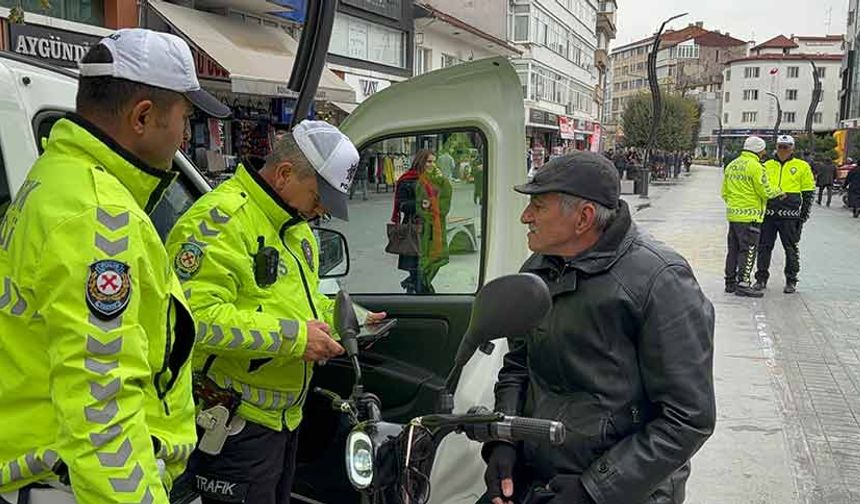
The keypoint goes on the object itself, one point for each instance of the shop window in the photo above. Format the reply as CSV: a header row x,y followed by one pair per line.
x,y
444,198
82,11
363,40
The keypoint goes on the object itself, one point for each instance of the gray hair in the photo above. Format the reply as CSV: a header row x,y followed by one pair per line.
x,y
603,215
286,149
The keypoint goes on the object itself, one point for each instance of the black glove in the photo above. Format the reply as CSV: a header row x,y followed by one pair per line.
x,y
500,457
569,490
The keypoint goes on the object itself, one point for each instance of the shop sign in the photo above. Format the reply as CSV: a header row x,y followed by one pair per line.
x,y
365,87
595,138
208,68
58,47
540,117
566,127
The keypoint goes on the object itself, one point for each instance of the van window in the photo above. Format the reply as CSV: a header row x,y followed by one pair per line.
x,y
430,188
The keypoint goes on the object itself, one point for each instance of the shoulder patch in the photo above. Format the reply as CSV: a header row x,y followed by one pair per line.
x,y
793,170
108,288
187,261
309,253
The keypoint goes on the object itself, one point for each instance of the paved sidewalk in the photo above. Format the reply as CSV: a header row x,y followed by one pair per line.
x,y
787,368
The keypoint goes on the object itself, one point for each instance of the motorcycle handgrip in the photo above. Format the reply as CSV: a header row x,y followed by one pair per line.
x,y
514,429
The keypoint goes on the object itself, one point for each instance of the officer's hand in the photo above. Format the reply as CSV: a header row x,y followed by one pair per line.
x,y
375,318
501,458
320,345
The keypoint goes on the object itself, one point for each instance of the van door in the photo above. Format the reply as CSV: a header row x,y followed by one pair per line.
x,y
442,149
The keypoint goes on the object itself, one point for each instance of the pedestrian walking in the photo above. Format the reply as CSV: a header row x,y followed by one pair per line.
x,y
746,191
852,185
824,178
96,334
623,359
249,263
785,216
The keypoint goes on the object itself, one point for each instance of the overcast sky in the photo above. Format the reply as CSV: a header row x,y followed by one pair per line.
x,y
757,20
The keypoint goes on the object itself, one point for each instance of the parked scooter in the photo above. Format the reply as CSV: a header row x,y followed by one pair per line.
x,y
390,463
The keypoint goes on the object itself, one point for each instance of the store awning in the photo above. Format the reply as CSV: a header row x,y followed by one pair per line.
x,y
346,107
259,58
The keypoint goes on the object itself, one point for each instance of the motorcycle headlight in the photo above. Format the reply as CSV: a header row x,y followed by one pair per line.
x,y
359,459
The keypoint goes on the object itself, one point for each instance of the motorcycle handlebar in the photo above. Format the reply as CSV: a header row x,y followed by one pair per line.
x,y
514,429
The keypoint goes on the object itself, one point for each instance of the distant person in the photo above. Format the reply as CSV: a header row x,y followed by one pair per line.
x,y
447,165
824,177
785,216
746,191
852,184
423,196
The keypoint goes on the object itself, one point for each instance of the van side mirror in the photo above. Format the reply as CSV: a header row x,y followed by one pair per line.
x,y
334,253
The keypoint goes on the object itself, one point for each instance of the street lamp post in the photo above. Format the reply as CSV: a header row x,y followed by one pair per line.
x,y
719,136
816,97
778,117
656,108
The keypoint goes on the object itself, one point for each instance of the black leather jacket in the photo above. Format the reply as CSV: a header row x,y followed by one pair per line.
x,y
624,359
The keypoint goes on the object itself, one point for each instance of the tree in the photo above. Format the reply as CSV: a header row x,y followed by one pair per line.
x,y
679,122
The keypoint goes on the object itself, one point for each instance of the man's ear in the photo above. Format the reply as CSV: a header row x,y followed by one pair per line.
x,y
587,213
283,174
140,115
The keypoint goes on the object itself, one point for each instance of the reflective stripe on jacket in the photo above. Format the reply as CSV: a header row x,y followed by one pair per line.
x,y
95,335
746,189
793,177
258,334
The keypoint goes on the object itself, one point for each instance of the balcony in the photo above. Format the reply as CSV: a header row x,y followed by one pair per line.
x,y
606,18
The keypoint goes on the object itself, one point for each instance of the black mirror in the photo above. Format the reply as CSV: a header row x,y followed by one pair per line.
x,y
506,306
334,253
346,323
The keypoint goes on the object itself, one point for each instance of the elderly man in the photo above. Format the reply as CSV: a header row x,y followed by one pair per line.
x,y
624,358
746,191
785,217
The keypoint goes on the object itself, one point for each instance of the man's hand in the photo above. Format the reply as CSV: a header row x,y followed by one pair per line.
x,y
375,318
320,345
569,490
499,474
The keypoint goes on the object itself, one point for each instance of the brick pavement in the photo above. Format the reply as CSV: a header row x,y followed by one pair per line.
x,y
787,368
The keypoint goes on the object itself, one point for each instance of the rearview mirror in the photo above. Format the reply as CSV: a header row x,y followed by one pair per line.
x,y
346,323
334,253
507,306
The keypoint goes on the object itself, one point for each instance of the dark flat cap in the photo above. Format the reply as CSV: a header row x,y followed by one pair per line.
x,y
583,174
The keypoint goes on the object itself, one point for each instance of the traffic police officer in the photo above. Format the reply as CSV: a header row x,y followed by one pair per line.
x,y
260,331
746,191
785,216
95,335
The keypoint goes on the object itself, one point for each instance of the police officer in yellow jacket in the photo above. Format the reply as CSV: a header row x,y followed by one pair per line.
x,y
785,216
746,192
261,329
95,333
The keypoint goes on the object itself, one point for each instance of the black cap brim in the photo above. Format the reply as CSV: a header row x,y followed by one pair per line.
x,y
208,104
532,188
335,202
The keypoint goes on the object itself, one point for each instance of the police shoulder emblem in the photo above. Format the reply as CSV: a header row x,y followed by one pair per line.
x,y
108,288
793,170
309,253
188,260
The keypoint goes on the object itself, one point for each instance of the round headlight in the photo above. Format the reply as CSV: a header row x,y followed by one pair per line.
x,y
359,459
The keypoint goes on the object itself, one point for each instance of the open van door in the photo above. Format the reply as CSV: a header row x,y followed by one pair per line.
x,y
471,120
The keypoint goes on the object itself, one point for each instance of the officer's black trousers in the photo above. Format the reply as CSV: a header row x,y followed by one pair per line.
x,y
256,466
740,258
789,234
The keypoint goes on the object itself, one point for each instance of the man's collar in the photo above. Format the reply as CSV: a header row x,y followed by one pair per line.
x,y
280,214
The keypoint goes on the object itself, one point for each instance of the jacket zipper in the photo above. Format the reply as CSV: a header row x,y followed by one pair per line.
x,y
314,311
162,393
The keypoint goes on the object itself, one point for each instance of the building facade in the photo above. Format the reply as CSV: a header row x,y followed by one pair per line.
x,y
61,33
781,68
372,44
606,31
690,61
443,39
849,95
